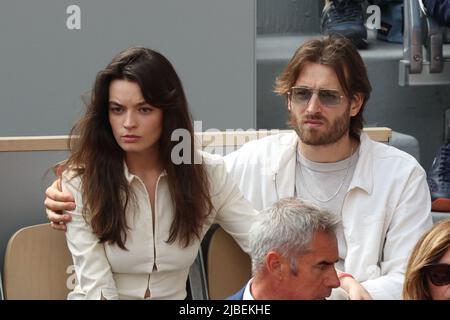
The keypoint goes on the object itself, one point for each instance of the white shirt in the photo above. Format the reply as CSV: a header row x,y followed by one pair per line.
x,y
108,271
247,291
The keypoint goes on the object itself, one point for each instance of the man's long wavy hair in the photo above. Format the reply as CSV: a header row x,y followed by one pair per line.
x,y
99,161
342,56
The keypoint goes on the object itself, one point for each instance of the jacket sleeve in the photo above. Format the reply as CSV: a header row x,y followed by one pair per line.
x,y
410,219
234,164
235,214
93,271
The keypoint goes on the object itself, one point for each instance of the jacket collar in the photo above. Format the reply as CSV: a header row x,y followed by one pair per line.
x,y
287,146
284,168
130,177
363,175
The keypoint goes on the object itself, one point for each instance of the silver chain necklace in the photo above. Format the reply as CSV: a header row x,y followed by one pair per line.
x,y
340,185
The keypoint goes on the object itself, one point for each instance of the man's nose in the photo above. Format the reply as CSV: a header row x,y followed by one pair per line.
x,y
314,105
333,280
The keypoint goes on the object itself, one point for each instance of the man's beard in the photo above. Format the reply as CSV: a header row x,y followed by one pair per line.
x,y
334,133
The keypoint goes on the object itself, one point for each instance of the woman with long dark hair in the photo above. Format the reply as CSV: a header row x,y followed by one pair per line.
x,y
140,216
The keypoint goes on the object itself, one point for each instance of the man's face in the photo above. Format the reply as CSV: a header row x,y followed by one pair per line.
x,y
316,122
315,276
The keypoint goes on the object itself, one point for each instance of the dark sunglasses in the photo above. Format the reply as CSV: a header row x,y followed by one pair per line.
x,y
327,97
439,273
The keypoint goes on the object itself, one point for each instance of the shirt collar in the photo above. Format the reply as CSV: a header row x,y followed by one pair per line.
x,y
363,175
247,292
130,177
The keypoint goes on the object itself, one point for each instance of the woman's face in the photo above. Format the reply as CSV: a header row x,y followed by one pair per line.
x,y
136,125
441,292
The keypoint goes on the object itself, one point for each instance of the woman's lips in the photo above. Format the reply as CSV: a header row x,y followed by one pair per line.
x,y
130,138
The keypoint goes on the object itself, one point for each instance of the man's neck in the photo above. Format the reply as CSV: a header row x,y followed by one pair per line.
x,y
261,288
329,153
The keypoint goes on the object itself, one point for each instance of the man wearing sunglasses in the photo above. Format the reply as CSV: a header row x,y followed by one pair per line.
x,y
380,193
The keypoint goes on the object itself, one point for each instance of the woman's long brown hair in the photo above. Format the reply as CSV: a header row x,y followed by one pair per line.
x,y
99,161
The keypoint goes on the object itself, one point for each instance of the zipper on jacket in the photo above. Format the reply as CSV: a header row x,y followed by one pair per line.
x,y
148,294
274,179
155,267
153,217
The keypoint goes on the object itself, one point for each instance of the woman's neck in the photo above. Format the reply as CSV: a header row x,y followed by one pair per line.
x,y
142,164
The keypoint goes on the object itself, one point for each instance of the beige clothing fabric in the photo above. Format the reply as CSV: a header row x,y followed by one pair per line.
x,y
108,271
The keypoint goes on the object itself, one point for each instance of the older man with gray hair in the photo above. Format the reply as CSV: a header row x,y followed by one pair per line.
x,y
293,248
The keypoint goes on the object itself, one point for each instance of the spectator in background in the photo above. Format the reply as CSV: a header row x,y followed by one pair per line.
x,y
439,173
438,9
347,18
428,272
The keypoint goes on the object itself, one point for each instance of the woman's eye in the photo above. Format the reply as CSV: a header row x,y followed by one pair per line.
x,y
115,109
145,109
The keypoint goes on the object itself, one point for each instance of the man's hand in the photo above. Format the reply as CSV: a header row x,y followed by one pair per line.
x,y
354,289
55,202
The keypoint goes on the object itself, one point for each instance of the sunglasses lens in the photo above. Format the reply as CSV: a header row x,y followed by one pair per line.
x,y
439,274
301,95
329,97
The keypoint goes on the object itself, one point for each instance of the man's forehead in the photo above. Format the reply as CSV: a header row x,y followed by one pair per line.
x,y
319,74
324,247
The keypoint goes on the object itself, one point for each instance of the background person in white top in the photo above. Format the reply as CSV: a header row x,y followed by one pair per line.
x,y
379,192
139,217
293,249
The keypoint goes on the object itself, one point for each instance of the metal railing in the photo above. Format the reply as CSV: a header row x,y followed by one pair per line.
x,y
423,60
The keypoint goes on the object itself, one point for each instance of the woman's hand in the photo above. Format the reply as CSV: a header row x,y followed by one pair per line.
x,y
353,288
